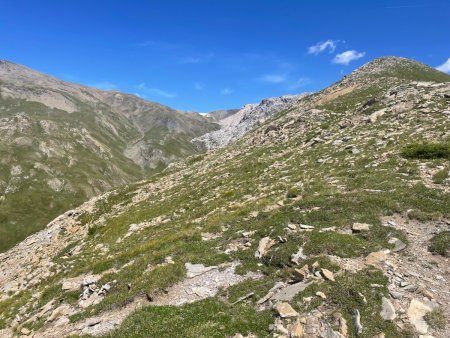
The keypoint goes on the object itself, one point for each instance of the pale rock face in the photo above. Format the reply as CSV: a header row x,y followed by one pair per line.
x,y
237,125
416,313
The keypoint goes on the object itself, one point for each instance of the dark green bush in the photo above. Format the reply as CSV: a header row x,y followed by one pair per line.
x,y
440,243
427,151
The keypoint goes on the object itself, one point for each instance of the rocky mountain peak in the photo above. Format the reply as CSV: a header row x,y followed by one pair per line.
x,y
397,67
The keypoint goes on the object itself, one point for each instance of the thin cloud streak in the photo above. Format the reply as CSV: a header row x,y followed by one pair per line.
x,y
154,91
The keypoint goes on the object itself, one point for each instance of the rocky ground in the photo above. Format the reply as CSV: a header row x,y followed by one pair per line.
x,y
237,124
317,223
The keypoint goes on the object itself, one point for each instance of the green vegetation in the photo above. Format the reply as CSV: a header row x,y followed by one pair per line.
x,y
441,176
427,151
436,319
208,318
249,191
440,244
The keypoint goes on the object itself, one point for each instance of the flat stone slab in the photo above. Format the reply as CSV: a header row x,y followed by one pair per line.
x,y
289,292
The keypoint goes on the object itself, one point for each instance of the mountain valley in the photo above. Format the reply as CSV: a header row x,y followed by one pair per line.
x,y
316,215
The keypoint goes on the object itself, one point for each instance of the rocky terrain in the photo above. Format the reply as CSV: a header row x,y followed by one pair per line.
x,y
328,219
219,115
62,143
234,125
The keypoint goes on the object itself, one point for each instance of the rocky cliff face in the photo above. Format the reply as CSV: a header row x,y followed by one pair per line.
x,y
236,125
323,221
61,143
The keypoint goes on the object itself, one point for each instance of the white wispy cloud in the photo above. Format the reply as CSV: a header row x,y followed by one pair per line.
x,y
445,67
202,57
189,59
154,91
296,84
226,91
322,46
105,85
346,57
199,86
274,78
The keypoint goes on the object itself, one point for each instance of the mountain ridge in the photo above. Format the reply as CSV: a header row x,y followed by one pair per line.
x,y
312,223
62,143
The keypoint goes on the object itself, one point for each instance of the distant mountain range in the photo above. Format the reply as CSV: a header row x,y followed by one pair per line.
x,y
61,143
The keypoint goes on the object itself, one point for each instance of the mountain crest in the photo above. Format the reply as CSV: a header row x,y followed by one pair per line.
x,y
400,68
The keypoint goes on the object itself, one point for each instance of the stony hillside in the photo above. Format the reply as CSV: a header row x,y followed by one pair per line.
x,y
219,115
62,143
330,219
236,124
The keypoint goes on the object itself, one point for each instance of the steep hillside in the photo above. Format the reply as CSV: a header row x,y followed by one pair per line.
x,y
61,143
237,124
219,115
317,223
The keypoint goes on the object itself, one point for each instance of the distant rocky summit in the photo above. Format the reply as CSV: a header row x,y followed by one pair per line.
x,y
237,124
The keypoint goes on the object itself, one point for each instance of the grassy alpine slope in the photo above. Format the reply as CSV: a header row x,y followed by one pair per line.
x,y
62,143
300,181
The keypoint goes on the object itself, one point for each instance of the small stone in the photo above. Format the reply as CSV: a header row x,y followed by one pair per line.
x,y
25,331
410,288
306,227
301,274
387,309
264,245
377,257
321,295
292,226
285,310
426,293
328,274
169,260
398,244
357,322
296,329
359,227
298,256
416,312
71,285
396,295
193,270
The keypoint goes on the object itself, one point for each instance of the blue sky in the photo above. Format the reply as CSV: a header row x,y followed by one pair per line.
x,y
204,55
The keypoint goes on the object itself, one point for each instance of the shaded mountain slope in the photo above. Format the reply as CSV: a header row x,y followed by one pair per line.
x,y
61,143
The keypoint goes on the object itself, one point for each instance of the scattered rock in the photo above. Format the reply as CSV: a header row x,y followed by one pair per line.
x,y
396,295
357,322
285,310
25,331
287,293
193,270
321,295
377,257
72,284
301,274
359,227
328,274
416,312
398,244
306,227
387,310
298,256
264,245
296,329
